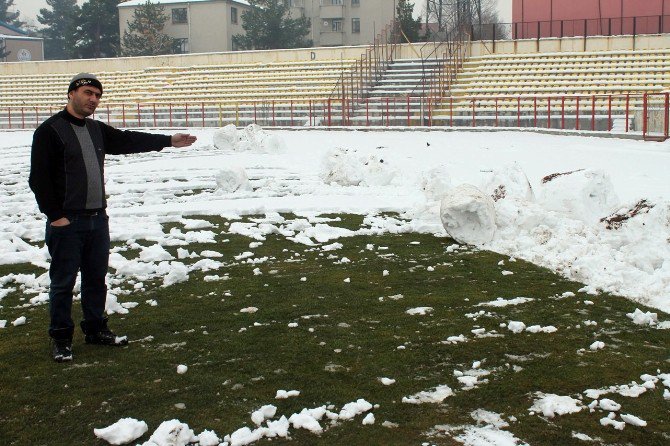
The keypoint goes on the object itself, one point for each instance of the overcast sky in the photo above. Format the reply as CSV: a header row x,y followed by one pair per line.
x,y
30,8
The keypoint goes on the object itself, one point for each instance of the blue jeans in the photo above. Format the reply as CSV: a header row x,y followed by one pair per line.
x,y
83,245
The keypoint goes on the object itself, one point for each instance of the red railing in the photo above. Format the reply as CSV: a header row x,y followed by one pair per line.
x,y
648,114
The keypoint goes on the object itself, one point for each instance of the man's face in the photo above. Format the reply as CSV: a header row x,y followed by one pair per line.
x,y
84,100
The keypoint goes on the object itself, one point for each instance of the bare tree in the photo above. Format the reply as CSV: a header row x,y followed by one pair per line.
x,y
475,19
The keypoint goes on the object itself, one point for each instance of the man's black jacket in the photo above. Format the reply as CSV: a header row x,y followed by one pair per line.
x,y
53,167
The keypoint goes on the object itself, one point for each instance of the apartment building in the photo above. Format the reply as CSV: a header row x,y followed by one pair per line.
x,y
344,22
201,26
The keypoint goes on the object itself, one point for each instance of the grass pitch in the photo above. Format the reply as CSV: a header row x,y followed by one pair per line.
x,y
331,336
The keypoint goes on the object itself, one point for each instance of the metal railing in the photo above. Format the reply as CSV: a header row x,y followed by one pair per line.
x,y
647,114
614,26
353,84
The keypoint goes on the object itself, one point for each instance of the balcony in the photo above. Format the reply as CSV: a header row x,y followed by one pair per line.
x,y
331,11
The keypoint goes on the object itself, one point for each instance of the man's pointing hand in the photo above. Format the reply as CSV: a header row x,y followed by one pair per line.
x,y
182,140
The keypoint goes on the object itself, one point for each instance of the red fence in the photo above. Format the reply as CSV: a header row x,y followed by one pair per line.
x,y
646,114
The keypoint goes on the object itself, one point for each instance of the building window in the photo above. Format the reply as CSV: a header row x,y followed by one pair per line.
x,y
331,2
336,25
355,26
233,15
179,15
181,46
355,2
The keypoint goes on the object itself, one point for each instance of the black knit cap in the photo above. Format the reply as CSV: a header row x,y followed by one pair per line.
x,y
82,79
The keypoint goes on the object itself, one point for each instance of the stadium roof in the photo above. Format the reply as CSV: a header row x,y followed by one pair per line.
x,y
167,2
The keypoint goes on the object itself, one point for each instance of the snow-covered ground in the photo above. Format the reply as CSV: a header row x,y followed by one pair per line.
x,y
497,190
554,224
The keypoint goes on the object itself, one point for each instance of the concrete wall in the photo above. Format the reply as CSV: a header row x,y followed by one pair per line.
x,y
608,16
337,53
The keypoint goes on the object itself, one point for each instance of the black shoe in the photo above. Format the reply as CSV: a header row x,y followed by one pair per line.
x,y
104,336
61,350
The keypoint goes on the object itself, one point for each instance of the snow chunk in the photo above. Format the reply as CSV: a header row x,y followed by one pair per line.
x,y
437,395
619,425
387,381
350,168
306,420
19,321
597,345
609,405
264,413
421,311
232,179
208,438
283,394
154,253
350,410
181,369
369,419
633,420
500,302
551,405
468,215
178,273
123,431
172,433
250,139
516,326
641,318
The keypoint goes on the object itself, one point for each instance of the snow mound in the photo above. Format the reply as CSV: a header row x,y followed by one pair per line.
x,y
435,183
468,215
123,431
250,139
509,182
586,195
351,168
232,179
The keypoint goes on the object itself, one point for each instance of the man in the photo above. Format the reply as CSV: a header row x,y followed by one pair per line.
x,y
67,177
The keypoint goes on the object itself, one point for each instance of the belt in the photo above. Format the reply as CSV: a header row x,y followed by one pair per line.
x,y
89,213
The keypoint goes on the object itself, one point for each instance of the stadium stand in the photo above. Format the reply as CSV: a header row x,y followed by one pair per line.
x,y
514,83
221,84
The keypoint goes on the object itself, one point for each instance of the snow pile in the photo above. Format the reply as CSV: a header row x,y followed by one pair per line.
x,y
350,168
250,139
489,431
435,183
586,195
232,179
468,215
123,431
509,182
308,419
